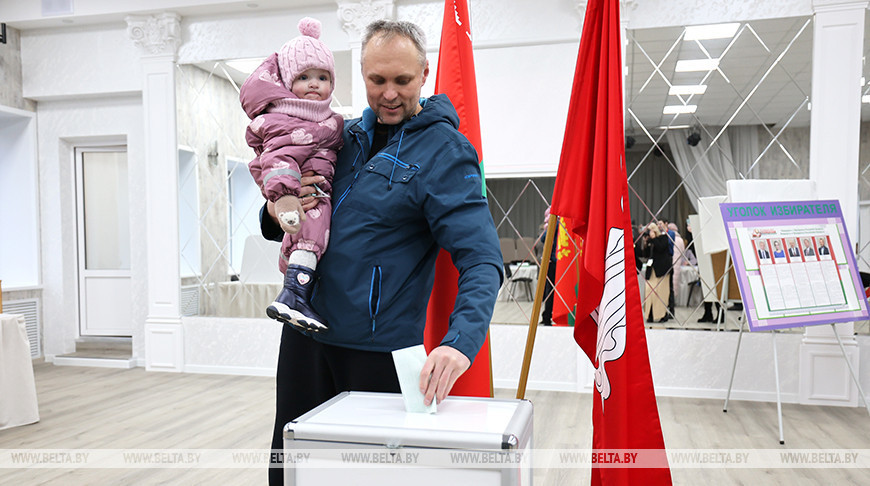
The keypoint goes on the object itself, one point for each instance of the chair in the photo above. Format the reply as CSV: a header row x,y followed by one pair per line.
x,y
525,283
695,284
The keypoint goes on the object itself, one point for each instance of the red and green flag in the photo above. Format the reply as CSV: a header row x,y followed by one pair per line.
x,y
455,78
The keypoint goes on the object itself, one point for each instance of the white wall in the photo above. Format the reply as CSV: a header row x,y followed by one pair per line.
x,y
87,80
84,61
19,253
252,34
63,125
683,363
523,93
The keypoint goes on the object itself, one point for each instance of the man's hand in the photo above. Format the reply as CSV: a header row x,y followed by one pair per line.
x,y
305,193
308,180
440,371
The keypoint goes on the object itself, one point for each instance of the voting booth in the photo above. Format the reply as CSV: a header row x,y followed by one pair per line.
x,y
369,438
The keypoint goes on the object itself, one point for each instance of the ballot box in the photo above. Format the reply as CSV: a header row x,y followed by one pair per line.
x,y
369,438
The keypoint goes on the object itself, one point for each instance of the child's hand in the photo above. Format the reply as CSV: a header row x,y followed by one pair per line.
x,y
290,214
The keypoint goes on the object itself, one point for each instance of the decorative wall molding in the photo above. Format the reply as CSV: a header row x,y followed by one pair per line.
x,y
625,7
428,16
835,5
155,34
355,16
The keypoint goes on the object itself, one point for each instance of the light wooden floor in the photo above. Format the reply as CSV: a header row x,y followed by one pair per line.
x,y
92,408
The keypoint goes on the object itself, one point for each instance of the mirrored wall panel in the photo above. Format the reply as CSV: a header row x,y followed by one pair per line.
x,y
706,104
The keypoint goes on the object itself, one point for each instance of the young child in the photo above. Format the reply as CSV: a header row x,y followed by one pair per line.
x,y
294,132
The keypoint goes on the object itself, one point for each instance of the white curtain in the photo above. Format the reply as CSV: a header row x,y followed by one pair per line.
x,y
744,149
705,169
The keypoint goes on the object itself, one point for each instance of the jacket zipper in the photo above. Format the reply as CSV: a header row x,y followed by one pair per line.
x,y
355,175
375,297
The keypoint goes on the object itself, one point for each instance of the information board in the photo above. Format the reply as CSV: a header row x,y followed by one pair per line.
x,y
794,263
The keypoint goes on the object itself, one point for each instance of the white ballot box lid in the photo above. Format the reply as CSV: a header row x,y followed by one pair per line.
x,y
380,418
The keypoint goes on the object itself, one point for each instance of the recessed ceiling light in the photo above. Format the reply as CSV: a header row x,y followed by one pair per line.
x,y
865,99
691,65
687,89
679,109
711,31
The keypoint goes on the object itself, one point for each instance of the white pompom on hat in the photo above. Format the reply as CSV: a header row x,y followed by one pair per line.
x,y
305,52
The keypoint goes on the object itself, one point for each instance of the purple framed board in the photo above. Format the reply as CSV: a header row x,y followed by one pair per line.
x,y
794,263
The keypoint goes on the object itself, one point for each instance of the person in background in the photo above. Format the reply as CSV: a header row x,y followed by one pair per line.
x,y
672,236
678,259
656,250
547,314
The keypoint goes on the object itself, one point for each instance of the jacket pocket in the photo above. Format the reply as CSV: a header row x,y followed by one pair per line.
x,y
393,169
375,297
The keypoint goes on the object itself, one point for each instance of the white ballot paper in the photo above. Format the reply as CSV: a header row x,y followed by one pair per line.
x,y
409,364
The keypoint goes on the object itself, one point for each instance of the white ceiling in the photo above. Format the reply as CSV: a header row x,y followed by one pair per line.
x,y
755,48
767,64
28,14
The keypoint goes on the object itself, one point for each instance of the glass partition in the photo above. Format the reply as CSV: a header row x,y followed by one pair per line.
x,y
227,268
862,239
706,104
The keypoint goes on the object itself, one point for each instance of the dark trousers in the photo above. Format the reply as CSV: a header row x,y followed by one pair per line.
x,y
310,373
547,315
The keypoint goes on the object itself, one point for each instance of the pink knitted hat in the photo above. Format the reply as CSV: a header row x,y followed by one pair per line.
x,y
305,52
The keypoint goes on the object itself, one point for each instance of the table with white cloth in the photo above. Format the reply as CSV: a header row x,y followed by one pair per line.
x,y
516,285
18,404
688,276
237,299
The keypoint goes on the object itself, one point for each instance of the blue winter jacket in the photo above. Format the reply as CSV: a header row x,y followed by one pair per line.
x,y
391,215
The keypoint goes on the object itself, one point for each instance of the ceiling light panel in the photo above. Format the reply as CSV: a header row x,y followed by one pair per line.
x,y
687,89
679,109
693,65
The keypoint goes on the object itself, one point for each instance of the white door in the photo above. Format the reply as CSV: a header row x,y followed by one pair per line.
x,y
103,242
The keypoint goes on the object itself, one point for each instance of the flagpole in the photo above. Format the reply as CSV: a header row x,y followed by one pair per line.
x,y
536,306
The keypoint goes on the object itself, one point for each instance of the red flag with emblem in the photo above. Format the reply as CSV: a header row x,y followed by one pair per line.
x,y
455,78
592,190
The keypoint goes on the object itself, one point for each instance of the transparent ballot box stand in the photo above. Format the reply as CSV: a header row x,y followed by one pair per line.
x,y
369,438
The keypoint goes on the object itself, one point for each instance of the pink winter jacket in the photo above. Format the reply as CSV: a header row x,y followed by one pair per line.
x,y
289,135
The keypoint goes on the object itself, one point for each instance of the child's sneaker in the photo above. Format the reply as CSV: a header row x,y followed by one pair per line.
x,y
291,306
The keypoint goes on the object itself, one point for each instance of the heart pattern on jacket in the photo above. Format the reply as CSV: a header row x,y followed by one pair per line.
x,y
329,123
301,137
269,78
256,124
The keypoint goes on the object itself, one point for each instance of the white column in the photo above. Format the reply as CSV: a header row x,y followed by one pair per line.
x,y
354,17
158,37
838,35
